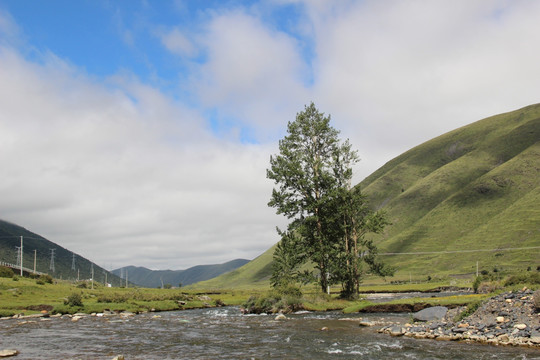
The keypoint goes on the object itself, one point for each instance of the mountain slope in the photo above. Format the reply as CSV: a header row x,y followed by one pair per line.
x,y
10,238
155,278
474,188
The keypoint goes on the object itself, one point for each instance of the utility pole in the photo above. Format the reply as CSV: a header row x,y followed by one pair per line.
x,y
35,258
73,261
51,266
92,276
21,255
477,269
126,279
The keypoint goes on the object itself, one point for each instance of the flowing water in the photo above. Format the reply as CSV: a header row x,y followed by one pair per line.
x,y
224,333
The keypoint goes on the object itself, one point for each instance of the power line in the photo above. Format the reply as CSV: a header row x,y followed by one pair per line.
x,y
458,251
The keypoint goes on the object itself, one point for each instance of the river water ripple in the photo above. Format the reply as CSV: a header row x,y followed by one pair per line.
x,y
224,333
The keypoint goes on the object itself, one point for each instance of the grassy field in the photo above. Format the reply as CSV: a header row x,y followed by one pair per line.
x,y
24,295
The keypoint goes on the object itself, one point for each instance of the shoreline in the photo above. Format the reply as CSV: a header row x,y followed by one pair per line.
x,y
507,319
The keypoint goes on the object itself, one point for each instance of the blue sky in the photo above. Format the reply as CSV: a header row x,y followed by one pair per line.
x,y
137,126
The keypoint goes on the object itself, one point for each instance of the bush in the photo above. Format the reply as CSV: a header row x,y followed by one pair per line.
x,y
469,310
74,300
287,299
44,279
112,298
6,272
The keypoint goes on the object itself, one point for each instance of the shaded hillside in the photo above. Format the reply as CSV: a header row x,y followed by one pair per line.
x,y
155,278
10,238
474,188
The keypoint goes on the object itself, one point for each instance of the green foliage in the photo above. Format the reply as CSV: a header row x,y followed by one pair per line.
x,y
74,300
469,310
167,286
285,300
312,172
6,272
523,278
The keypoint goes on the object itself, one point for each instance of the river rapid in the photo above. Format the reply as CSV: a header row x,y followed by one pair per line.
x,y
224,333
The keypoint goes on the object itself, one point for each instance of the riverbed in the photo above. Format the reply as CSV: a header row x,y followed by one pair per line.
x,y
224,333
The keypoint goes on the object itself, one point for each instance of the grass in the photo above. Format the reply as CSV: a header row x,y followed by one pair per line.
x,y
23,295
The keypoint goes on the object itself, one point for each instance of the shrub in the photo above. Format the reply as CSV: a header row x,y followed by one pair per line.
x,y
6,272
286,300
476,283
469,310
45,279
73,300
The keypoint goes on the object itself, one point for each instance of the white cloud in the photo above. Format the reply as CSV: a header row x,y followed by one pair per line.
x,y
176,42
121,174
253,74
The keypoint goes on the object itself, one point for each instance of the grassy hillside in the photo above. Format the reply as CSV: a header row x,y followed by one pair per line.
x,y
155,278
474,188
255,273
10,235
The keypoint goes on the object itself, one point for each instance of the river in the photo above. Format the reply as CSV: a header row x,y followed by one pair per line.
x,y
223,333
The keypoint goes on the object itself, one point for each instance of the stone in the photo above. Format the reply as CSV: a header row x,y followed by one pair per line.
x,y
8,352
366,323
76,318
463,325
520,326
118,357
280,317
324,328
396,331
431,313
500,319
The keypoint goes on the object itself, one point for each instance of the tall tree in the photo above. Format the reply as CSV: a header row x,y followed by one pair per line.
x,y
313,172
305,173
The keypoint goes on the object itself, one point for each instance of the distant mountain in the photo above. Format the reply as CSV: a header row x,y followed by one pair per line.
x,y
155,278
474,188
34,244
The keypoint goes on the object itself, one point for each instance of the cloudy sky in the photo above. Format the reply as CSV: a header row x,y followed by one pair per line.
x,y
138,132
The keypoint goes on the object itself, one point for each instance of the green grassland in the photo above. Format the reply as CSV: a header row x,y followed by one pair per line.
x,y
474,188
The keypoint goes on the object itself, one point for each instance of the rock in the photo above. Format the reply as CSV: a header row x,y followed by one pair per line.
x,y
431,313
520,326
280,317
500,319
205,298
8,352
118,357
127,314
76,318
396,331
324,328
366,323
463,325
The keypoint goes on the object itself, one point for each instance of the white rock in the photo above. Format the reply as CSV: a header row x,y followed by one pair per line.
x,y
8,352
280,317
500,319
520,326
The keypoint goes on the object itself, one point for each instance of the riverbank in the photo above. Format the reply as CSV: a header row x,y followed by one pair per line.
x,y
509,319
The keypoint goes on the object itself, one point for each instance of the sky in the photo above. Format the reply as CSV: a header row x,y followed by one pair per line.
x,y
139,132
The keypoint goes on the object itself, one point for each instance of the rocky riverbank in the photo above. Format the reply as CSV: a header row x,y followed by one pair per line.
x,y
507,319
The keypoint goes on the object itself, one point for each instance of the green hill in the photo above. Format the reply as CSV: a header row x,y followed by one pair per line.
x,y
474,188
34,244
155,278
